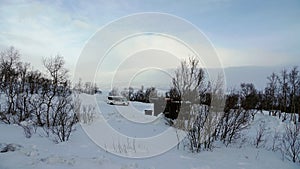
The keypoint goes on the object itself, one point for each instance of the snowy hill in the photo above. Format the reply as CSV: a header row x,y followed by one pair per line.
x,y
82,152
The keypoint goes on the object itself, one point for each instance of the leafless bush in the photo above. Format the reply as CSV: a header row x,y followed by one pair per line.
x,y
260,140
37,104
9,77
195,132
87,115
28,131
125,148
30,95
201,129
275,141
231,125
63,119
291,142
201,102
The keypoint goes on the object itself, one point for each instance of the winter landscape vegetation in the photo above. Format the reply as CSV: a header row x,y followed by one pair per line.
x,y
41,113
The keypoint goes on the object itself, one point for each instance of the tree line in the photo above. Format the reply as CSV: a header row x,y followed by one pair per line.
x,y
33,98
208,114
139,95
281,96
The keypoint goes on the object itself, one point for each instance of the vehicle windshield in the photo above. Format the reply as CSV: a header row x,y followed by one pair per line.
x,y
123,99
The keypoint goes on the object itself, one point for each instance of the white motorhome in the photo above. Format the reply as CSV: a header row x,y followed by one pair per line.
x,y
117,100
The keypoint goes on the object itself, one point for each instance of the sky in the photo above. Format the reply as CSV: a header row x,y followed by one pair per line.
x,y
243,33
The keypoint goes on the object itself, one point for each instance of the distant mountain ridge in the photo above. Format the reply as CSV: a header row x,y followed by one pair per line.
x,y
234,76
250,74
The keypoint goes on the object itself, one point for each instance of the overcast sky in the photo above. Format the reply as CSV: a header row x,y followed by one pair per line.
x,y
259,33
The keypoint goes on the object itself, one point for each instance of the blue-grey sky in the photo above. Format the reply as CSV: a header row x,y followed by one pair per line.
x,y
260,33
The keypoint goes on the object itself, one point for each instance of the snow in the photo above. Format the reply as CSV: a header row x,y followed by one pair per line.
x,y
81,151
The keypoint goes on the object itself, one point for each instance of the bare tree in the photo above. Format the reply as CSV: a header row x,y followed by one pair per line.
x,y
231,125
58,76
201,104
56,70
189,87
291,142
260,139
114,92
189,80
284,91
9,77
59,116
249,98
275,141
294,83
30,96
79,86
232,101
23,96
151,92
196,135
271,93
64,118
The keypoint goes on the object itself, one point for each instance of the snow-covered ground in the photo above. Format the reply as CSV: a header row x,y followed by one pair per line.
x,y
82,152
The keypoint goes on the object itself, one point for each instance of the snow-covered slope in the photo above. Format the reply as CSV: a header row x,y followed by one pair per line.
x,y
81,152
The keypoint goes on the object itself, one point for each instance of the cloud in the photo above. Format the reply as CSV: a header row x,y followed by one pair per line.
x,y
45,28
41,30
129,56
